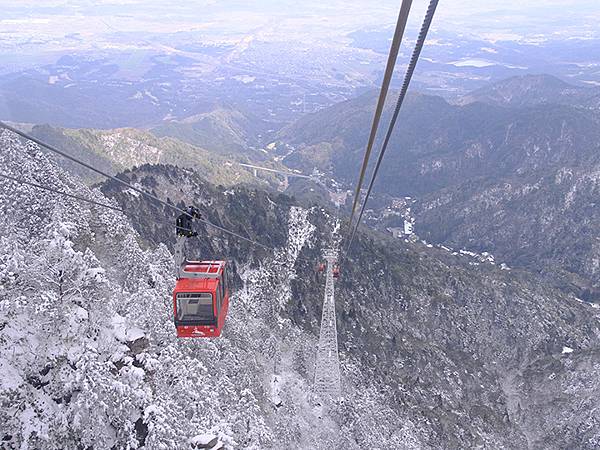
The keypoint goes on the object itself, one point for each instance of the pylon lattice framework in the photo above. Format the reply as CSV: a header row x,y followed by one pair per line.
x,y
327,373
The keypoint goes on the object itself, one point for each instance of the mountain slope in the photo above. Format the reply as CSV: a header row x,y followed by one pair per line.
x,y
221,130
436,351
436,144
548,224
519,182
529,90
116,150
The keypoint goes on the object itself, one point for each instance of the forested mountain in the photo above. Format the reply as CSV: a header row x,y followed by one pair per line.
x,y
548,223
437,351
516,176
436,144
116,150
222,130
529,90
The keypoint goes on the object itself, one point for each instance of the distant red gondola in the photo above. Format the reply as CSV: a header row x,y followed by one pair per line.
x,y
201,299
336,272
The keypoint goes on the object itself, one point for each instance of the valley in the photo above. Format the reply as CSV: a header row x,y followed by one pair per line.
x,y
474,175
518,181
183,264
443,347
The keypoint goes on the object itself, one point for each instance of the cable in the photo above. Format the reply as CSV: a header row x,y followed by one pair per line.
x,y
88,166
56,191
77,197
141,191
389,70
407,78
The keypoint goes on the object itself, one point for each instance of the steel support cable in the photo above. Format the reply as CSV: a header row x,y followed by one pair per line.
x,y
407,78
389,70
56,191
141,191
106,205
88,166
76,197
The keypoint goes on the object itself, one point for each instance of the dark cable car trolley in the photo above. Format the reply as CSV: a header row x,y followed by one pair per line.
x,y
201,295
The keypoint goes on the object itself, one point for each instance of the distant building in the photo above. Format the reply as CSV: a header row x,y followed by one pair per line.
x,y
397,232
398,203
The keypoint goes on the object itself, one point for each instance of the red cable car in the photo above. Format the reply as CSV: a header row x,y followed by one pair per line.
x,y
336,269
201,299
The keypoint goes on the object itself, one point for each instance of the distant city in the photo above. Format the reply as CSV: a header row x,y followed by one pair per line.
x,y
278,66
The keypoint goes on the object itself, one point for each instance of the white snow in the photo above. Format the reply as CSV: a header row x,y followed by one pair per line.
x,y
244,78
472,62
275,390
203,439
10,378
80,313
123,331
132,192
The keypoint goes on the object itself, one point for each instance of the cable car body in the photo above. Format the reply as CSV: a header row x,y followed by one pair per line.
x,y
201,299
336,272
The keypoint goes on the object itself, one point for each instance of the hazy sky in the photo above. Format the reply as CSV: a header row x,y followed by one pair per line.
x,y
507,18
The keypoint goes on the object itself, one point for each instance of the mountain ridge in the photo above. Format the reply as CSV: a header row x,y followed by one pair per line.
x,y
528,90
443,347
222,130
473,167
124,148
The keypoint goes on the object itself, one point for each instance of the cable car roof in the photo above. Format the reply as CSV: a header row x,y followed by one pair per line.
x,y
202,269
197,285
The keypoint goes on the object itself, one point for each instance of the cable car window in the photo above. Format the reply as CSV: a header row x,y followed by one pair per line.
x,y
195,307
230,279
222,286
219,300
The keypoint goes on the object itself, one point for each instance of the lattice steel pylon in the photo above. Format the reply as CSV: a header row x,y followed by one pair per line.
x,y
327,385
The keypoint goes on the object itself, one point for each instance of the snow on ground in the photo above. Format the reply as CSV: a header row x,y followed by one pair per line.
x,y
79,294
276,386
472,62
125,332
300,231
245,79
204,441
